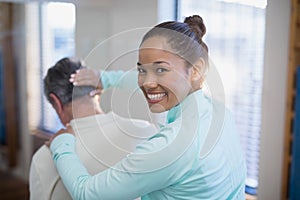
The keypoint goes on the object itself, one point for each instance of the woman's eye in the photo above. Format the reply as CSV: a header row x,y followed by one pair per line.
x,y
140,70
160,70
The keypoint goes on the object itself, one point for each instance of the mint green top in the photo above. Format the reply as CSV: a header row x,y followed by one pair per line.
x,y
196,155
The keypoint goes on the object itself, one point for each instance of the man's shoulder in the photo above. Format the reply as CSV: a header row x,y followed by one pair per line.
x,y
43,163
42,153
111,119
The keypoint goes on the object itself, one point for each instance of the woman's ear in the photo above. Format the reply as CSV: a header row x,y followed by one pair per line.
x,y
198,70
56,103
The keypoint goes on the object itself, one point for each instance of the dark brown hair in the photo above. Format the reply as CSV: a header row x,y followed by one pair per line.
x,y
183,37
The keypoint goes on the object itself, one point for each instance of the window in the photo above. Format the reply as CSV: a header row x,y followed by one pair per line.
x,y
235,37
55,29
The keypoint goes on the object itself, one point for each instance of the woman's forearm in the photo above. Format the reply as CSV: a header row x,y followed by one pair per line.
x,y
119,79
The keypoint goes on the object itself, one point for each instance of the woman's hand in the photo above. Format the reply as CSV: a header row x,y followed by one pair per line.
x,y
68,129
87,77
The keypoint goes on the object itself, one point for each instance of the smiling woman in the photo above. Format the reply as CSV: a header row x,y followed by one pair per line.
x,y
172,63
170,164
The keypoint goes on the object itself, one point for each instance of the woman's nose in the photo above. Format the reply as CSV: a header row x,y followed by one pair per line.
x,y
150,81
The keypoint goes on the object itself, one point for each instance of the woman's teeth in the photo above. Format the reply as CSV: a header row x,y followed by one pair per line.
x,y
156,96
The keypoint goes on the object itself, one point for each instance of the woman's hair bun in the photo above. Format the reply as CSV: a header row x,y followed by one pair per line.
x,y
196,23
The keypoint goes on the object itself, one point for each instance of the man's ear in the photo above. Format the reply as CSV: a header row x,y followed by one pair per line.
x,y
198,70
56,103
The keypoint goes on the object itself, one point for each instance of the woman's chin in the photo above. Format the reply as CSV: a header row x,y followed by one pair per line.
x,y
157,108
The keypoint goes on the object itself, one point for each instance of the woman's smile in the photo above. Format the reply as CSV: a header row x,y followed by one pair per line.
x,y
155,97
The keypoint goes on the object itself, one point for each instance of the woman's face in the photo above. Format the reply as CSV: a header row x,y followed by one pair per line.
x,y
163,76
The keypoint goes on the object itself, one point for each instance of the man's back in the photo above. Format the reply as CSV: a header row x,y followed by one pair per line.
x,y
101,141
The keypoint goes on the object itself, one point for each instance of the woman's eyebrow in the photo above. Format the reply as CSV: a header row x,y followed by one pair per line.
x,y
155,63
161,62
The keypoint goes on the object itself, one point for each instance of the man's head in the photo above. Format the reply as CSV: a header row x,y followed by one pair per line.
x,y
60,92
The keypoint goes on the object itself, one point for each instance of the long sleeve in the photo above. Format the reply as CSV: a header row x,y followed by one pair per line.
x,y
149,169
123,96
119,79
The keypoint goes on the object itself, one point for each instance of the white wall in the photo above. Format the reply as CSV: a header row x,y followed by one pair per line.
x,y
103,33
92,27
274,99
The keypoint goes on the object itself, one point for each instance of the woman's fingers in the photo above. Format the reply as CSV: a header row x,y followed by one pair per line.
x,y
68,129
86,76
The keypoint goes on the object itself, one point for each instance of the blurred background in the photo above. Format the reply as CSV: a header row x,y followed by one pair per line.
x,y
254,45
